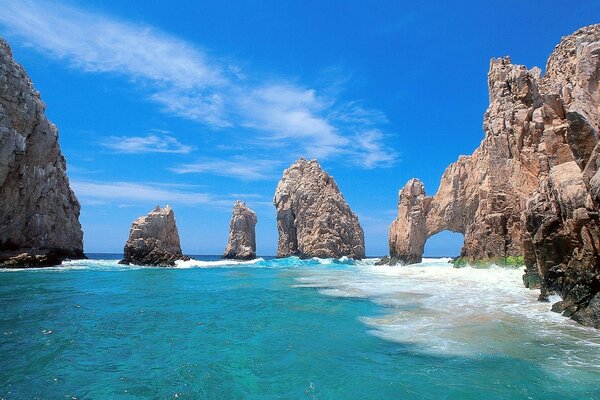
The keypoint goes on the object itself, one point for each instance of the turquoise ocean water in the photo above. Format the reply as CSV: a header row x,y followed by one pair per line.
x,y
286,329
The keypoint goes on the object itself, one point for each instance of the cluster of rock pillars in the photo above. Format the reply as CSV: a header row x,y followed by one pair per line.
x,y
530,191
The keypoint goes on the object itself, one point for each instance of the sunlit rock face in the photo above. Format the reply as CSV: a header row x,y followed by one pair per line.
x,y
313,218
483,195
39,213
242,233
532,187
154,240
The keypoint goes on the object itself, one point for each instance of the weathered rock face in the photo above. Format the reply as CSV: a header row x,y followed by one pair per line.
x,y
483,195
242,234
313,219
154,240
39,213
532,186
562,245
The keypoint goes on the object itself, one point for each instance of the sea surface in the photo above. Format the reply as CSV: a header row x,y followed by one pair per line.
x,y
286,329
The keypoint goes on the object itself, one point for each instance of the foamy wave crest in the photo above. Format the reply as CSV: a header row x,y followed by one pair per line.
x,y
215,264
467,311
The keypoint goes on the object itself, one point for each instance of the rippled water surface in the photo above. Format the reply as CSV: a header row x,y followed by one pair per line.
x,y
316,329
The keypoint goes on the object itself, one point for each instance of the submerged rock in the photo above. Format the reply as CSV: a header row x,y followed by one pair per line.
x,y
313,218
154,240
39,213
242,235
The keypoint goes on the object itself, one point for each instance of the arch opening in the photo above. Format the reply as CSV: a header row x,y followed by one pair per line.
x,y
444,244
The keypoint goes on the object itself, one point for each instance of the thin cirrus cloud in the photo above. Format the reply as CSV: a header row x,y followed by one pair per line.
x,y
239,168
102,192
185,82
146,144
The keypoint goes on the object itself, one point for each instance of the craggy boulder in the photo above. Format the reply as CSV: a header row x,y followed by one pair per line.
x,y
154,240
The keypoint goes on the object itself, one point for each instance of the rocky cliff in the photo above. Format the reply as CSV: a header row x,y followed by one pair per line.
x,y
562,245
39,213
532,186
154,240
313,218
483,195
242,235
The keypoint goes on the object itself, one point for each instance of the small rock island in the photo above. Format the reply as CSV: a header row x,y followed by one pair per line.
x,y
242,233
313,218
154,240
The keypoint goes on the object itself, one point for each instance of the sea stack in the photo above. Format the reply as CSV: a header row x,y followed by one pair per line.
x,y
313,218
242,235
154,240
39,213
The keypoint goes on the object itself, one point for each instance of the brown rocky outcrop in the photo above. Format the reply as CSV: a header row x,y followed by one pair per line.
x,y
39,213
154,240
483,195
562,245
242,234
532,186
313,218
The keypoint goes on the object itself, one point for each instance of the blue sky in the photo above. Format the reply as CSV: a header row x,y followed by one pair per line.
x,y
197,104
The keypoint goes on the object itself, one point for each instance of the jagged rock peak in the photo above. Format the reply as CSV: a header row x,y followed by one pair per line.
x,y
154,239
242,235
313,218
39,213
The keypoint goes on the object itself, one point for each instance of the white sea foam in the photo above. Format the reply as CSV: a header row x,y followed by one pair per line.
x,y
437,309
214,264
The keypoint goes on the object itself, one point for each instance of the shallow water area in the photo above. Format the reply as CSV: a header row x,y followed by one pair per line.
x,y
286,328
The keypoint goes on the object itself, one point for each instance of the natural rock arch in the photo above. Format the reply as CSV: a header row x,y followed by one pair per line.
x,y
483,195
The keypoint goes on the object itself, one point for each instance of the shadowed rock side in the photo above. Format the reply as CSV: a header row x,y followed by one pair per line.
x,y
313,218
39,213
154,240
562,244
242,235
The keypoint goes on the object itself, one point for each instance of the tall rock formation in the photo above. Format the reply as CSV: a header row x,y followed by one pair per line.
x,y
483,195
39,213
154,240
242,235
313,218
562,245
532,187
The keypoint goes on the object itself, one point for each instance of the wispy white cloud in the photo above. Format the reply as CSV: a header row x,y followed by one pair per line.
x,y
146,144
371,152
187,83
102,192
239,168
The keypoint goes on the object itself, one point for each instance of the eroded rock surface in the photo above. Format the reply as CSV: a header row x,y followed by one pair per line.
x,y
532,186
562,245
39,213
313,218
483,195
242,233
154,240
